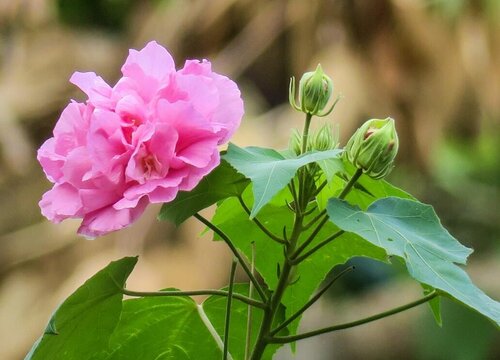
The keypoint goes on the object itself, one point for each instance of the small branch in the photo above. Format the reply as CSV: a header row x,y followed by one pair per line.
x,y
311,237
259,224
314,220
228,309
350,184
236,253
310,302
329,239
240,297
293,338
318,228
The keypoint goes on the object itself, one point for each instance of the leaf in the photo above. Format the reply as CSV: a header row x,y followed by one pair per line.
x,y
331,167
412,231
269,170
434,305
215,309
84,322
221,183
166,328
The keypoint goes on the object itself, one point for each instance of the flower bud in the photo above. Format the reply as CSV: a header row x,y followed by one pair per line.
x,y
373,147
315,90
325,139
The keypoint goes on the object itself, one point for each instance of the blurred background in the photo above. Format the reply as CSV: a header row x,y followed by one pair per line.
x,y
433,65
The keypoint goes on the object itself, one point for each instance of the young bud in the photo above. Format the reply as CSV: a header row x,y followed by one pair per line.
x,y
373,147
315,90
325,139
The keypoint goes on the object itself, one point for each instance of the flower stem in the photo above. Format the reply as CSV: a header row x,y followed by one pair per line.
x,y
235,252
228,309
203,292
293,338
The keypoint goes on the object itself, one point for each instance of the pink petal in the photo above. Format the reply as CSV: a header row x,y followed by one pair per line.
x,y
153,61
60,203
103,221
51,162
98,91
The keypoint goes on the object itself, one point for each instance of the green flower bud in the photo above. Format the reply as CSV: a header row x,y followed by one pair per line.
x,y
315,90
373,147
325,139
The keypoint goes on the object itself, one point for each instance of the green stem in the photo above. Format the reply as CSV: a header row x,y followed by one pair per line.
x,y
305,133
314,220
235,252
293,338
259,224
318,228
240,297
350,184
248,341
311,301
269,314
228,309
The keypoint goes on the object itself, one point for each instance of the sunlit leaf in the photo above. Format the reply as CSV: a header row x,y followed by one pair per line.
x,y
269,170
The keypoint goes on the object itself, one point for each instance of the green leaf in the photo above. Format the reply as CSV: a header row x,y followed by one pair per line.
x,y
331,167
221,183
84,322
269,170
434,305
412,231
166,328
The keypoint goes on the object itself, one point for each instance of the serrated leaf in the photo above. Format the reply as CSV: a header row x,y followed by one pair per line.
x,y
84,322
412,231
166,328
269,170
221,183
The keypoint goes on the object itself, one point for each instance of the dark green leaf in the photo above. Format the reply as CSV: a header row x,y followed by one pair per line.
x,y
221,183
269,170
83,324
412,231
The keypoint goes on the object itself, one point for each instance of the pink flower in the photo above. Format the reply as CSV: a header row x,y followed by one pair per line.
x,y
153,134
